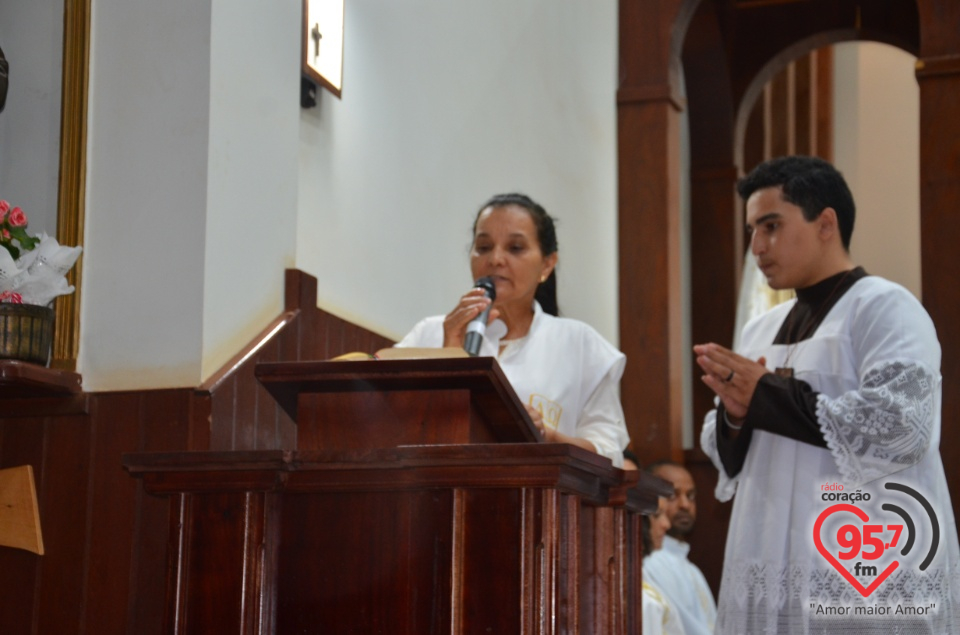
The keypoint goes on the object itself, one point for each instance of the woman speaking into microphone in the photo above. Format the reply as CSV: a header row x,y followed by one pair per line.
x,y
565,373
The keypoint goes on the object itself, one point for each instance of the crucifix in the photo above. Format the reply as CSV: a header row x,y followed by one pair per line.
x,y
315,35
321,44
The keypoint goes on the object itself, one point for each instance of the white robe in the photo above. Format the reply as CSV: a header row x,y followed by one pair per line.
x,y
659,616
683,585
875,361
563,368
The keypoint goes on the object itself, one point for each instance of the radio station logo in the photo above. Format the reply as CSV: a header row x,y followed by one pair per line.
x,y
867,547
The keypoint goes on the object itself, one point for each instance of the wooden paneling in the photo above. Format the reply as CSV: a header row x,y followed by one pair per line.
x,y
779,114
939,80
21,443
715,243
106,540
407,566
65,481
237,409
650,301
822,72
486,538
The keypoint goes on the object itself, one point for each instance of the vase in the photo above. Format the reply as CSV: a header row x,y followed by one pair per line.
x,y
26,332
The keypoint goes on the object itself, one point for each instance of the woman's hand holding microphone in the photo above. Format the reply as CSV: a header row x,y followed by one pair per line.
x,y
470,306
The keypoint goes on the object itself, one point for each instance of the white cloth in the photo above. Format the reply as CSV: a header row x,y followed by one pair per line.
x,y
683,584
756,297
562,367
875,361
659,616
39,275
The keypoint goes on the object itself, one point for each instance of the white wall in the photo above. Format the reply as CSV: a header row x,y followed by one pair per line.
x,y
444,104
196,138
31,35
192,185
251,170
146,194
877,147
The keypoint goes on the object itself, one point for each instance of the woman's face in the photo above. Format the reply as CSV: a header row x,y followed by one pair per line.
x,y
505,247
659,524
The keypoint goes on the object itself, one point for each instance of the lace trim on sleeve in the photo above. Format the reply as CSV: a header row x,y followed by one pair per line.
x,y
883,427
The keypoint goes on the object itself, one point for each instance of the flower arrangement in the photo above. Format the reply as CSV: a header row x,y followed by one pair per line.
x,y
13,228
32,268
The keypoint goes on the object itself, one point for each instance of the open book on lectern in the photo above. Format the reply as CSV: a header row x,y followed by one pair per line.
x,y
404,353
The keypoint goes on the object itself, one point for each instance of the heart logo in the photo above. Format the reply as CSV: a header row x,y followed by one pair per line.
x,y
862,515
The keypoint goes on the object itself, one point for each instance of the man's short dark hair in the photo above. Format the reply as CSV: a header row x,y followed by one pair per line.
x,y
810,183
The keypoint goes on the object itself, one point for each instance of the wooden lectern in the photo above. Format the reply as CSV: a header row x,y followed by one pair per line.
x,y
418,501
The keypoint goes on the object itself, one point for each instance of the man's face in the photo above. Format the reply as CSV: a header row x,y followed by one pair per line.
x,y
681,508
786,245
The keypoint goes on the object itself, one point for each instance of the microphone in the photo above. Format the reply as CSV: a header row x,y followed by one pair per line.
x,y
478,325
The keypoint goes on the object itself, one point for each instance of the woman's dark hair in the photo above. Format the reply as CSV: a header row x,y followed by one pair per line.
x,y
546,293
645,538
810,183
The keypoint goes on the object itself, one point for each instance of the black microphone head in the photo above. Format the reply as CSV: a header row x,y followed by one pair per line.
x,y
486,283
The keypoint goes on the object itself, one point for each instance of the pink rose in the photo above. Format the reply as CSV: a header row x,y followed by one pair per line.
x,y
17,217
4,207
5,234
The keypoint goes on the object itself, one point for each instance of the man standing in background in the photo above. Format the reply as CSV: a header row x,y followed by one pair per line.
x,y
669,568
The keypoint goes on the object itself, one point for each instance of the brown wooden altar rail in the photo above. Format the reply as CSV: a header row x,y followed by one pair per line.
x,y
505,538
400,513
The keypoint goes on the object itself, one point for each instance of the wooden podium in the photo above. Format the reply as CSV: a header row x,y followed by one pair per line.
x,y
418,501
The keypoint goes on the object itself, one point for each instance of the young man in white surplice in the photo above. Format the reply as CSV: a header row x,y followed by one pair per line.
x,y
835,391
